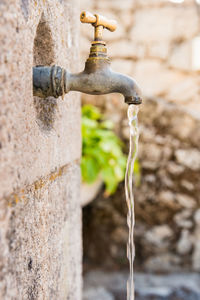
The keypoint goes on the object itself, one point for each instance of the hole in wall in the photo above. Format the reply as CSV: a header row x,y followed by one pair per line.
x,y
43,54
43,50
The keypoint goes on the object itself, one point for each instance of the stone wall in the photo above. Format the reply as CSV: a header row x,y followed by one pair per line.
x,y
40,147
155,43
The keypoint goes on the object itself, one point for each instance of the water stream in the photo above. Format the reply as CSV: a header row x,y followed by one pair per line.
x,y
133,149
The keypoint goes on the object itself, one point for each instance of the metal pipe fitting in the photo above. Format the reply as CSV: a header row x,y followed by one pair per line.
x,y
48,81
97,77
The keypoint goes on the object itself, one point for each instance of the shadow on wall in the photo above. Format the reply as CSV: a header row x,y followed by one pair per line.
x,y
43,52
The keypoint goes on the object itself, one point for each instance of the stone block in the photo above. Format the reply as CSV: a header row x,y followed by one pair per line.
x,y
159,236
184,91
165,262
152,153
184,244
181,56
158,50
167,198
40,148
37,135
40,239
125,48
150,3
87,31
98,293
124,66
189,186
164,24
183,219
174,168
186,201
197,217
116,5
154,78
189,158
118,34
87,4
126,18
196,252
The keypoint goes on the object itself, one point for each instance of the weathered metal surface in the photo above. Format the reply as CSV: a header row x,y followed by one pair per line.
x,y
99,22
97,77
48,81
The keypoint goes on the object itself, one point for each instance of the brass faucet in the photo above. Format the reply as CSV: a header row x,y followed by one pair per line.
x,y
97,77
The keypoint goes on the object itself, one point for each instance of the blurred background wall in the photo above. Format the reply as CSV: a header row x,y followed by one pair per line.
x,y
157,43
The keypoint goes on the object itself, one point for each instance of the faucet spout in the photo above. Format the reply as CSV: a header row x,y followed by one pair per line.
x,y
97,77
100,81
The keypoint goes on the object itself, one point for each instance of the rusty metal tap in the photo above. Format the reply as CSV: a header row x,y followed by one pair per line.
x,y
97,77
99,22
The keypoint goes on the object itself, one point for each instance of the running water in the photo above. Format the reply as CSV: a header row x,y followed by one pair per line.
x,y
133,148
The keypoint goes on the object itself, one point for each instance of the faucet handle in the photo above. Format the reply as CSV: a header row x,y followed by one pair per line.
x,y
99,22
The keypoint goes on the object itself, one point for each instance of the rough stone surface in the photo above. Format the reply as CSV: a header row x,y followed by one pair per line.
x,y
97,294
184,244
40,146
190,158
154,36
147,286
159,236
34,137
165,201
156,48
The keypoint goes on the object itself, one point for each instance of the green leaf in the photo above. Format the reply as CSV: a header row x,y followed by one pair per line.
x,y
119,173
109,180
88,123
102,151
91,112
89,168
107,124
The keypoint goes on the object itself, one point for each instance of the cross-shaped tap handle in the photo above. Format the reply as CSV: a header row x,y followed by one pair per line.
x,y
99,22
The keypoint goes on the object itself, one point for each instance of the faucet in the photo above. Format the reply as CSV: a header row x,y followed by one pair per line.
x,y
97,77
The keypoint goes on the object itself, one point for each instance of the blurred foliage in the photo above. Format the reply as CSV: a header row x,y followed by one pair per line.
x,y
102,153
